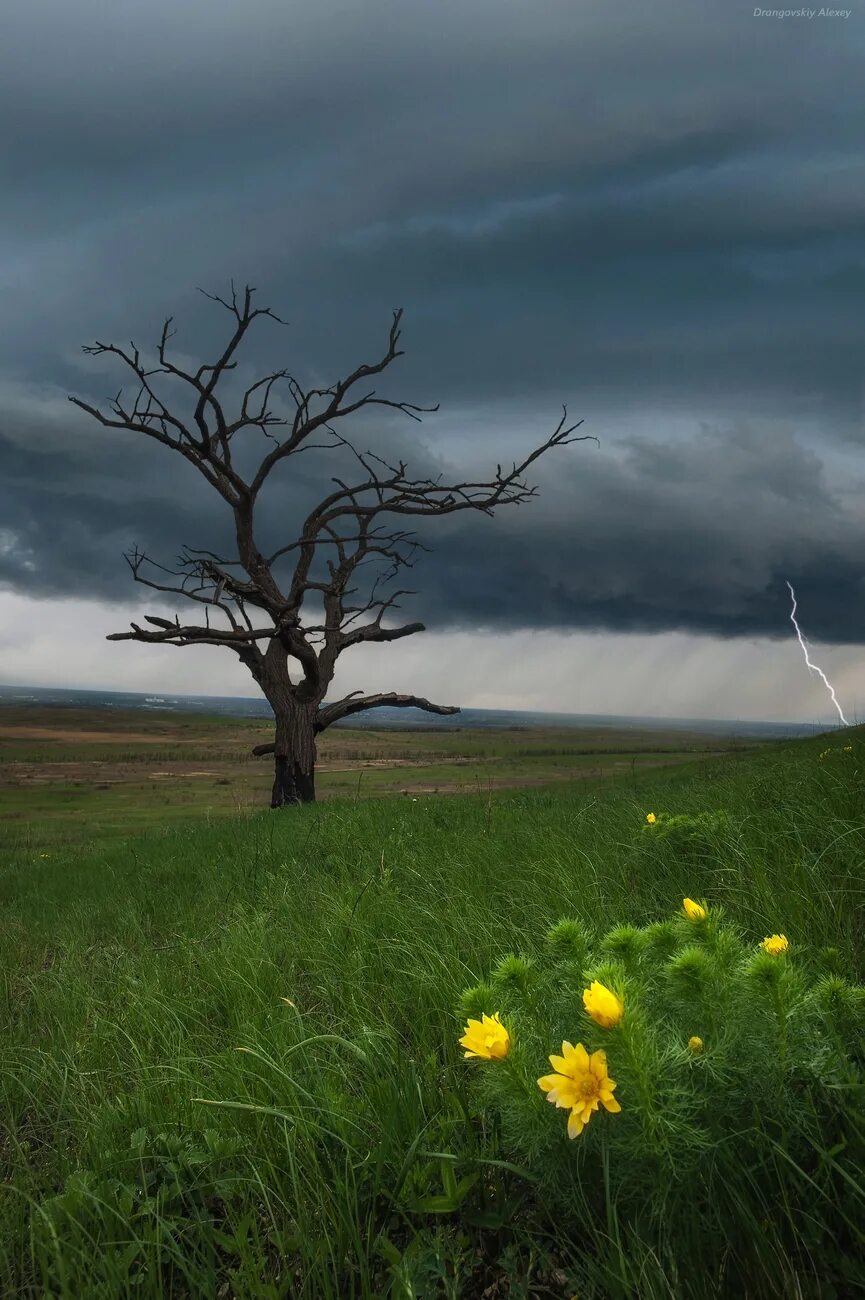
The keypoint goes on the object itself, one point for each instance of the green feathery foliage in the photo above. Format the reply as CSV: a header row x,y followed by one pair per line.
x,y
737,1069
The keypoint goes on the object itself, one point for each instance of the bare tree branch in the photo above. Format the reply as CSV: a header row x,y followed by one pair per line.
x,y
184,634
350,705
306,423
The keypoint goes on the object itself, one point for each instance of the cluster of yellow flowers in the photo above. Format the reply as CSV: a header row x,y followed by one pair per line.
x,y
845,749
581,1081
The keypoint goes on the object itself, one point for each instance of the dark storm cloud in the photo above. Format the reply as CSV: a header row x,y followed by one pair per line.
x,y
642,211
702,538
699,537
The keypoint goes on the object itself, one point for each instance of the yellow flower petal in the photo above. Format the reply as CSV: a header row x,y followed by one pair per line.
x,y
566,1094
598,1063
575,1125
578,1057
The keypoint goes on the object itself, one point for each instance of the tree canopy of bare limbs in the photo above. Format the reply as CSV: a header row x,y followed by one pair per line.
x,y
364,520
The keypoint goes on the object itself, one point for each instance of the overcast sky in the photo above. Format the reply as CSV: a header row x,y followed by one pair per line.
x,y
653,213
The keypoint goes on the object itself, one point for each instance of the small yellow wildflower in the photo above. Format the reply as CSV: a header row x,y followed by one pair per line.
x,y
602,1005
651,818
693,911
486,1039
580,1083
695,1043
775,944
847,749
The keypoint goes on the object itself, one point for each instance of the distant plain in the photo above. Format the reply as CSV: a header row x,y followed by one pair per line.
x,y
89,773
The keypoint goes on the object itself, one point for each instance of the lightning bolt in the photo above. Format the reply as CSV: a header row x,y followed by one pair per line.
x,y
814,667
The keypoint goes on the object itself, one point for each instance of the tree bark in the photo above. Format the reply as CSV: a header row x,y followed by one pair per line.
x,y
291,785
294,754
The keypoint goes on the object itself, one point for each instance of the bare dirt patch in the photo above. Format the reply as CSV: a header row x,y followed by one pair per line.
x,y
74,735
92,773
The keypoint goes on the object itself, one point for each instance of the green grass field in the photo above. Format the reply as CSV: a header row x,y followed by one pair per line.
x,y
94,773
172,1126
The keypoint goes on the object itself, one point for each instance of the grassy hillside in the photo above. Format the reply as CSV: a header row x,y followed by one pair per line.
x,y
230,1063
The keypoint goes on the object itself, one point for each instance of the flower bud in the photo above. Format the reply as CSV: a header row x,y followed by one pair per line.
x,y
602,1005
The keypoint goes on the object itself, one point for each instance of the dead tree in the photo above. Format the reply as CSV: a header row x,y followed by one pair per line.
x,y
249,606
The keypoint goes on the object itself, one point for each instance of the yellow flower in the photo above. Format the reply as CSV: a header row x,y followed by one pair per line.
x,y
602,1005
651,818
579,1084
487,1039
695,1043
693,911
775,944
847,749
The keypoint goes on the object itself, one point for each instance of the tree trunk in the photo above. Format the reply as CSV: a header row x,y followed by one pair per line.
x,y
294,755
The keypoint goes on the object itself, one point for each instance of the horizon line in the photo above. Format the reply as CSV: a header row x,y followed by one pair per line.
x,y
260,699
